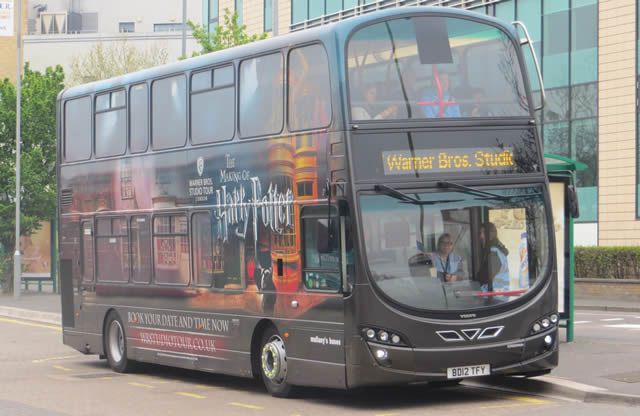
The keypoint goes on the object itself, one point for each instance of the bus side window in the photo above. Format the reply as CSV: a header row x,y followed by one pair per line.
x,y
110,124
139,118
321,249
201,238
261,95
140,229
112,251
77,129
171,249
309,88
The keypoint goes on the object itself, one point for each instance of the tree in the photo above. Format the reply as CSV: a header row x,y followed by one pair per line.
x,y
38,157
104,61
228,35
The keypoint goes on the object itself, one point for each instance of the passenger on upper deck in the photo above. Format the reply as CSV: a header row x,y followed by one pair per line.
x,y
439,102
367,109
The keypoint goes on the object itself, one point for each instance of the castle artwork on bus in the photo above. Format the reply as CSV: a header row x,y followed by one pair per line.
x,y
239,205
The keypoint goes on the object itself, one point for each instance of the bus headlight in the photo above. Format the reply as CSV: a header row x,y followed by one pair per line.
x,y
545,322
383,336
381,354
548,340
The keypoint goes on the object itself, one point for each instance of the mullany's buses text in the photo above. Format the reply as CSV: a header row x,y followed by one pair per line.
x,y
404,162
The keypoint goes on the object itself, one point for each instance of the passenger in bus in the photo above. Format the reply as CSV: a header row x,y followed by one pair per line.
x,y
368,107
447,263
493,274
440,102
480,107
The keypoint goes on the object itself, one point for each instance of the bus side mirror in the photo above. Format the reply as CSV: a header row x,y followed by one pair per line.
x,y
572,196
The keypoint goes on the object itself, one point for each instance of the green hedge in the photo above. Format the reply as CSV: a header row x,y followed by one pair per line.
x,y
607,262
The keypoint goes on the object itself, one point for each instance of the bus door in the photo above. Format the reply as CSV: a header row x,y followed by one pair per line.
x,y
321,303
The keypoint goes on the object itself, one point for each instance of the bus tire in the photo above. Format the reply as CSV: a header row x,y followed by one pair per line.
x,y
273,363
115,344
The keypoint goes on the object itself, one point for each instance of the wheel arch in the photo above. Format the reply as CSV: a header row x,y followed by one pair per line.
x,y
256,338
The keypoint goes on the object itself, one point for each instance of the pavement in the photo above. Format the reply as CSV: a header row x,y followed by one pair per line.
x,y
584,373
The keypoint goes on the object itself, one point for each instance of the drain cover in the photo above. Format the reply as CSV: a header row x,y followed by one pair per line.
x,y
632,377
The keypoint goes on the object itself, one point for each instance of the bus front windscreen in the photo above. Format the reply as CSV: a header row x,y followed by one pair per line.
x,y
430,67
458,248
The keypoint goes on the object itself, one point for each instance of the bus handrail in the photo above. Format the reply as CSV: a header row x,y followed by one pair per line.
x,y
535,61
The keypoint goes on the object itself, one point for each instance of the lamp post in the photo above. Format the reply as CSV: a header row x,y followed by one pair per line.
x,y
17,258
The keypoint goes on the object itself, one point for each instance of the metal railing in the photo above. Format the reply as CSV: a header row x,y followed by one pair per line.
x,y
385,4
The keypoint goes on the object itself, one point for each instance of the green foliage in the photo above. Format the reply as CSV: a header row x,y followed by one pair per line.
x,y
607,262
110,60
227,35
38,155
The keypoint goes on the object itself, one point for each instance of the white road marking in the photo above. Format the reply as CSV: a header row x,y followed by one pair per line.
x,y
582,322
625,326
612,319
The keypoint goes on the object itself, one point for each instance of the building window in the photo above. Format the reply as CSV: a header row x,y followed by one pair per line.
x,y
238,9
167,27
268,15
127,27
302,10
210,14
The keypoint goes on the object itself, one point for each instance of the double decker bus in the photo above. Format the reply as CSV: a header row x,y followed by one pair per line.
x,y
357,204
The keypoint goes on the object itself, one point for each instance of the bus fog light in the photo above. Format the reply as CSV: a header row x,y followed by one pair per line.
x,y
554,318
536,327
548,340
545,323
395,339
370,333
383,336
381,354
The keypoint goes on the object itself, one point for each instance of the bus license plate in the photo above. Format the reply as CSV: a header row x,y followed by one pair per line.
x,y
469,371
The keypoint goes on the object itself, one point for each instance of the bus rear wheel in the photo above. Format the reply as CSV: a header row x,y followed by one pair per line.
x,y
273,363
116,344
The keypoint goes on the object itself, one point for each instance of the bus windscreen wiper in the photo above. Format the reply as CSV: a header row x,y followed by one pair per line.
x,y
468,189
387,190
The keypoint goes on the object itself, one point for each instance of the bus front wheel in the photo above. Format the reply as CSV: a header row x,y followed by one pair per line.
x,y
273,363
116,344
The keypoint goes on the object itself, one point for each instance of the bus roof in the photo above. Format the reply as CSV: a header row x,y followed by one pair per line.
x,y
338,31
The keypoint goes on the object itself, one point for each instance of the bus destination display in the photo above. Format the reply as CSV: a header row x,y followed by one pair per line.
x,y
403,162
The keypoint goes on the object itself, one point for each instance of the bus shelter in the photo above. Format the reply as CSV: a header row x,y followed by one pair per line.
x,y
564,205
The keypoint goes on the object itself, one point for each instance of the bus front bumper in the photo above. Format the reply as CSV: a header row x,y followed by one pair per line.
x,y
528,356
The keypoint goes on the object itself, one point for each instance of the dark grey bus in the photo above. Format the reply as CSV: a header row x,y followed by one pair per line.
x,y
358,204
